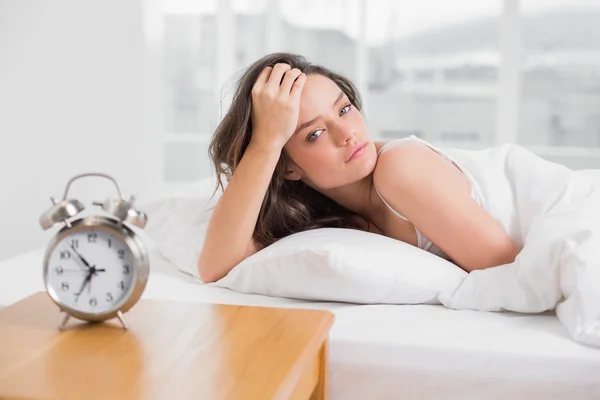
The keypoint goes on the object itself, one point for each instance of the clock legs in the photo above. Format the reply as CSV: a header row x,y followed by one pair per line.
x,y
120,316
64,321
122,319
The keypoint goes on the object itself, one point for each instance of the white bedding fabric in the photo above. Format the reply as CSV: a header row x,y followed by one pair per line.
x,y
550,210
554,213
400,351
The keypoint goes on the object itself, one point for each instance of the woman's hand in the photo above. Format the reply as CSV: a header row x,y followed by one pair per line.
x,y
275,105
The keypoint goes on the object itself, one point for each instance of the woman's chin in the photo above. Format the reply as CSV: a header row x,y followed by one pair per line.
x,y
366,162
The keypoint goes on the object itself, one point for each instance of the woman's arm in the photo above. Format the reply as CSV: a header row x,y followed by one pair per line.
x,y
435,196
275,107
229,233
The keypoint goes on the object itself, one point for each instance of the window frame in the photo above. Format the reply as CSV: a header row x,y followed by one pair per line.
x,y
508,85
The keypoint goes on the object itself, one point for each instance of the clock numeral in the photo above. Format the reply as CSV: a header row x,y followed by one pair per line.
x,y
75,243
109,243
109,297
59,270
121,254
122,285
93,302
65,255
126,269
64,286
92,237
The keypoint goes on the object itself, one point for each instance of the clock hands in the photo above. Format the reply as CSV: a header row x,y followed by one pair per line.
x,y
79,271
80,258
87,279
92,270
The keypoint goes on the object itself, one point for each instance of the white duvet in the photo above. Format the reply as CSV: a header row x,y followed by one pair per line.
x,y
554,214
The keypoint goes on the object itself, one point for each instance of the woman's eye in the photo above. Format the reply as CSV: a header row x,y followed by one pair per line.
x,y
345,110
314,135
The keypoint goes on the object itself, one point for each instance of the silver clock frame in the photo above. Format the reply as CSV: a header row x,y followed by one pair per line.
x,y
140,270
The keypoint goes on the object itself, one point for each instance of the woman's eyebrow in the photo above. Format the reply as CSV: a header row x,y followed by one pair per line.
x,y
308,123
340,96
305,124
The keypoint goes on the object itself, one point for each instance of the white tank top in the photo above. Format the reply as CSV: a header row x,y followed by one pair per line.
x,y
422,241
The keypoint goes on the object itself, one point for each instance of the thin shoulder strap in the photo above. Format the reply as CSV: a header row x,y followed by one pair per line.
x,y
420,237
390,207
389,145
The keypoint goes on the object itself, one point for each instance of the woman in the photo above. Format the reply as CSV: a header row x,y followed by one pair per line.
x,y
297,154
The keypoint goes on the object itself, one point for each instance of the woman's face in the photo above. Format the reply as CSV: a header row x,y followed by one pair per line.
x,y
328,133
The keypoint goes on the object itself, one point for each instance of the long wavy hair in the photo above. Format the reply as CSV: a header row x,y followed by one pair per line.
x,y
289,206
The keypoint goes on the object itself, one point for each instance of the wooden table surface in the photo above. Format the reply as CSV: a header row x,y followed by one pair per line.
x,y
171,350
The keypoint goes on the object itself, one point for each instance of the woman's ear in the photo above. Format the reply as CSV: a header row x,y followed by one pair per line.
x,y
292,171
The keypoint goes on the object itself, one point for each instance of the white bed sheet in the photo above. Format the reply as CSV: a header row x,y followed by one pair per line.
x,y
386,352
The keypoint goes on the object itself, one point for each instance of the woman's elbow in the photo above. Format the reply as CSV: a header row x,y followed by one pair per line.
x,y
507,251
206,269
503,253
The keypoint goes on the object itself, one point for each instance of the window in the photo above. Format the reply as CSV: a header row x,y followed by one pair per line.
x,y
206,43
189,67
323,31
560,73
466,73
434,70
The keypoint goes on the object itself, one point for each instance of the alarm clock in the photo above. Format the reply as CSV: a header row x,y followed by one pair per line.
x,y
95,267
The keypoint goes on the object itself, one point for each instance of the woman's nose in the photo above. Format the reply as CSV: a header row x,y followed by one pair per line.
x,y
343,132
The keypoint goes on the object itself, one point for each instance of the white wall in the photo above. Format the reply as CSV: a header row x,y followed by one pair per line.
x,y
77,94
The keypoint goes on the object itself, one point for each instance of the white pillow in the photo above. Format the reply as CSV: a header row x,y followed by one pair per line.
x,y
346,265
327,264
177,223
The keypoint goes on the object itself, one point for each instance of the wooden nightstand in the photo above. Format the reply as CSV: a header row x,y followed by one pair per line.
x,y
171,350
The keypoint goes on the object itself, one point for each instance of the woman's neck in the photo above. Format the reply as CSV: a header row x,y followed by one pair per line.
x,y
359,197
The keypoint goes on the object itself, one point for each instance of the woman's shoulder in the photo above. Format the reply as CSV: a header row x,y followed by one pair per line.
x,y
406,161
399,150
381,146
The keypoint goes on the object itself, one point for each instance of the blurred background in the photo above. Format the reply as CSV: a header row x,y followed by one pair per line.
x,y
135,88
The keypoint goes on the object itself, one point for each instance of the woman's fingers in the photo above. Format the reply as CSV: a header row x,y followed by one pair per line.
x,y
298,86
262,79
274,81
279,79
275,105
288,80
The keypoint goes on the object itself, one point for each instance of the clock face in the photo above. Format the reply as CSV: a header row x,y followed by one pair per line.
x,y
90,270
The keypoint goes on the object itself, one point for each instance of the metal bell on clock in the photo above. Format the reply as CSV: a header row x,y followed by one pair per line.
x,y
123,210
137,218
60,212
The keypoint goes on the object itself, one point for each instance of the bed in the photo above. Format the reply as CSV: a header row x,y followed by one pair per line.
x,y
397,351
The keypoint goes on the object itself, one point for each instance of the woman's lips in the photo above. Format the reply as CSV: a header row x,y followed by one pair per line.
x,y
357,151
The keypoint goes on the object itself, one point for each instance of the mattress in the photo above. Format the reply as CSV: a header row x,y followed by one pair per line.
x,y
398,351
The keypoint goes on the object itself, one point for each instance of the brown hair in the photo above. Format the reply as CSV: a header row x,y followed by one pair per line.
x,y
289,206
